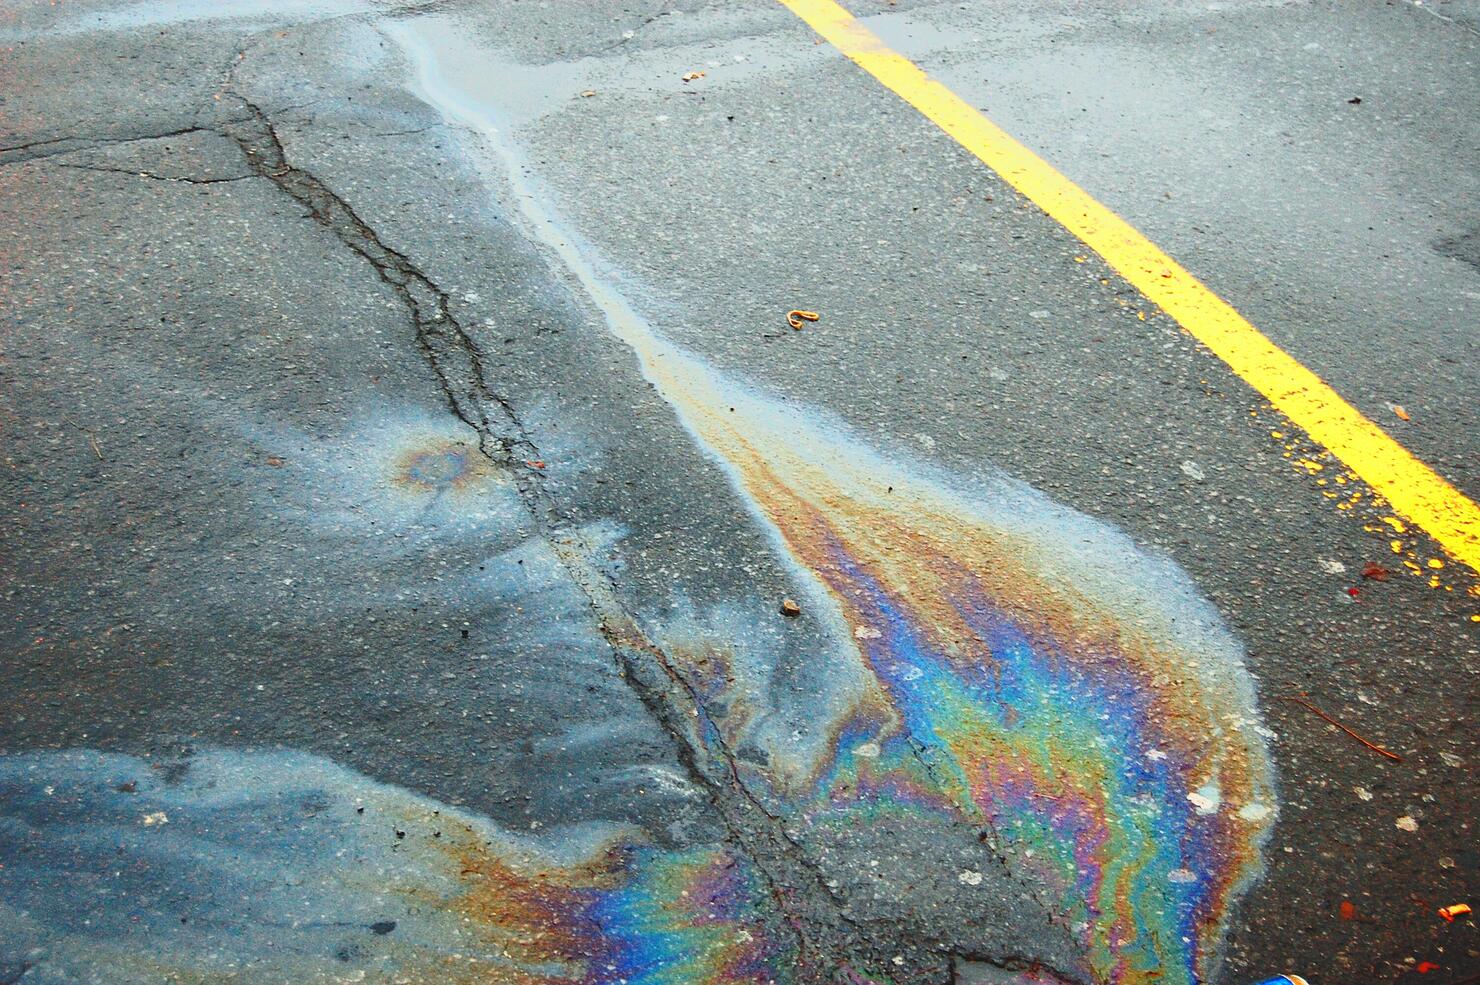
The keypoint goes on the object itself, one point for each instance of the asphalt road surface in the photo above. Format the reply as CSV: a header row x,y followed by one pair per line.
x,y
430,555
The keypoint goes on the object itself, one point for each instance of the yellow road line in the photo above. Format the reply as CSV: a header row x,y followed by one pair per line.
x,y
1412,489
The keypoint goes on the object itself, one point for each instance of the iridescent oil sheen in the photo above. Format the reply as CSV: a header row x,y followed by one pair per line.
x,y
1010,664
1022,665
1030,671
267,867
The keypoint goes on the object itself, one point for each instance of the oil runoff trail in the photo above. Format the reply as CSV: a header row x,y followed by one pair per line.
x,y
1025,668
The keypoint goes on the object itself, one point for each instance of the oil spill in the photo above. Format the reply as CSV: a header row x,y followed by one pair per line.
x,y
1017,665
279,866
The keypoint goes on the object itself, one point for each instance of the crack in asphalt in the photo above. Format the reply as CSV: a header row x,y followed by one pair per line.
x,y
1420,6
831,944
403,133
989,838
17,153
158,177
453,356
457,363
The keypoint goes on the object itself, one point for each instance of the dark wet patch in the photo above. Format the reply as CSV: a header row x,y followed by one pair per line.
x,y
382,927
1464,247
173,773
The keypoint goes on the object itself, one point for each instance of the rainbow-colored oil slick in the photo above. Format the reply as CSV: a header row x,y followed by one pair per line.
x,y
1001,663
993,662
1004,661
271,867
1028,669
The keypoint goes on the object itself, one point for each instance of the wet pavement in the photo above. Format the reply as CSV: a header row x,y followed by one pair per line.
x,y
407,458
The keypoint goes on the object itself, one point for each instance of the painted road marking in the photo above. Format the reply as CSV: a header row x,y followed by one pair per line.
x,y
1413,489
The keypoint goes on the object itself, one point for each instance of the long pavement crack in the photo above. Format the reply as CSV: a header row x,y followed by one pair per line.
x,y
39,149
184,179
815,917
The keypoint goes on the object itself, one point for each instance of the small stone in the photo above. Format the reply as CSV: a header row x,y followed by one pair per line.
x,y
1406,823
1181,875
1445,862
1254,812
1362,793
790,608
969,877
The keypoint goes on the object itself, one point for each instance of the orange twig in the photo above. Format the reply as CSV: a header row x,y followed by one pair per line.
x,y
1370,745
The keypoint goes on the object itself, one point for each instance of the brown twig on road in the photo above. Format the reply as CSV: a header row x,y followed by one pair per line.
x,y
1370,745
92,438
